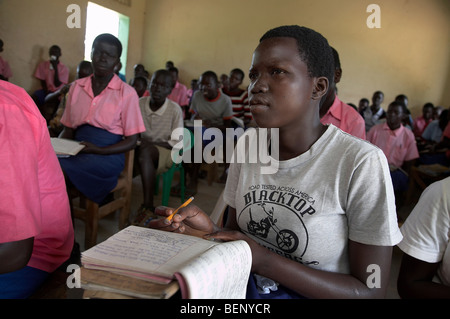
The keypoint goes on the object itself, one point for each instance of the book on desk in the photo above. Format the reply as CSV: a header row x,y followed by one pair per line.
x,y
140,262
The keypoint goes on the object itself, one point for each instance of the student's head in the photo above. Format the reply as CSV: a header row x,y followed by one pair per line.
x,y
402,98
236,78
161,85
140,85
428,110
291,70
377,98
105,55
139,70
1,45
209,85
54,52
395,115
169,64
84,69
194,84
174,72
363,103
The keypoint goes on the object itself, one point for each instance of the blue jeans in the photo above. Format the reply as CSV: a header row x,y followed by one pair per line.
x,y
21,284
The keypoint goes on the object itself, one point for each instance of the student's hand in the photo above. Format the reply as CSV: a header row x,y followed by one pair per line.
x,y
190,220
90,148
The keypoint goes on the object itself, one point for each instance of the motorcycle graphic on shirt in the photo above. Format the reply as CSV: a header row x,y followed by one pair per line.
x,y
286,239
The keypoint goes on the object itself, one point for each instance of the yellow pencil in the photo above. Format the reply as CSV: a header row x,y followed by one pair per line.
x,y
176,210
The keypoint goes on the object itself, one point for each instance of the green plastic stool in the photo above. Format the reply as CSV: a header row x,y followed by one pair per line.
x,y
188,143
167,183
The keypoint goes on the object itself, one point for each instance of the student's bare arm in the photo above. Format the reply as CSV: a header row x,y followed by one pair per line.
x,y
415,280
15,255
313,283
128,143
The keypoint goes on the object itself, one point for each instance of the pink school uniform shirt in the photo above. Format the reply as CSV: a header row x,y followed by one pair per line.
x,y
5,70
33,195
419,125
346,118
115,109
46,73
179,94
398,145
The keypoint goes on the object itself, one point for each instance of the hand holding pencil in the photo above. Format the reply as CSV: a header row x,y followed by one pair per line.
x,y
182,206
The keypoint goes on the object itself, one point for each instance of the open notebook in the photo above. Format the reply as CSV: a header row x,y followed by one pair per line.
x,y
203,269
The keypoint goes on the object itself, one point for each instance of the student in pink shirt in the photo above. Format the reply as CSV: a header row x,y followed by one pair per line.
x,y
179,93
102,112
334,111
5,70
398,144
53,74
36,231
421,122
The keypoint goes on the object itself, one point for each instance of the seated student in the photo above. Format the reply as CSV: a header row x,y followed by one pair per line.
x,y
237,95
362,105
408,121
140,84
214,108
316,225
422,121
374,114
53,75
192,90
179,93
36,232
334,111
5,70
444,144
398,144
55,127
425,267
433,132
102,112
161,117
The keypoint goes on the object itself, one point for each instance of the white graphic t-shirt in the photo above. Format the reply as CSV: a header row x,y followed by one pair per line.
x,y
338,190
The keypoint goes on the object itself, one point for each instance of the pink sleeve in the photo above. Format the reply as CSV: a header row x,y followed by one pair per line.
x,y
131,114
20,210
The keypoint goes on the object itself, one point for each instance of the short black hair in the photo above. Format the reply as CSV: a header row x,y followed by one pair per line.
x,y
237,70
313,49
173,69
428,105
211,74
110,39
166,73
402,105
140,79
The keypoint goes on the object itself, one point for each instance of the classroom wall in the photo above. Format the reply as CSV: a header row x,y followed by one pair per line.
x,y
29,28
409,54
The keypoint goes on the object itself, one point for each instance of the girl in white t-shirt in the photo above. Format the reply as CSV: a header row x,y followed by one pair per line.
x,y
321,221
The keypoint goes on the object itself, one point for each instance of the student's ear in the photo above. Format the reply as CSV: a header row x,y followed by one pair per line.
x,y
320,89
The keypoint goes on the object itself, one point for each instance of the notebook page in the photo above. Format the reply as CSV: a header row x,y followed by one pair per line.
x,y
222,272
